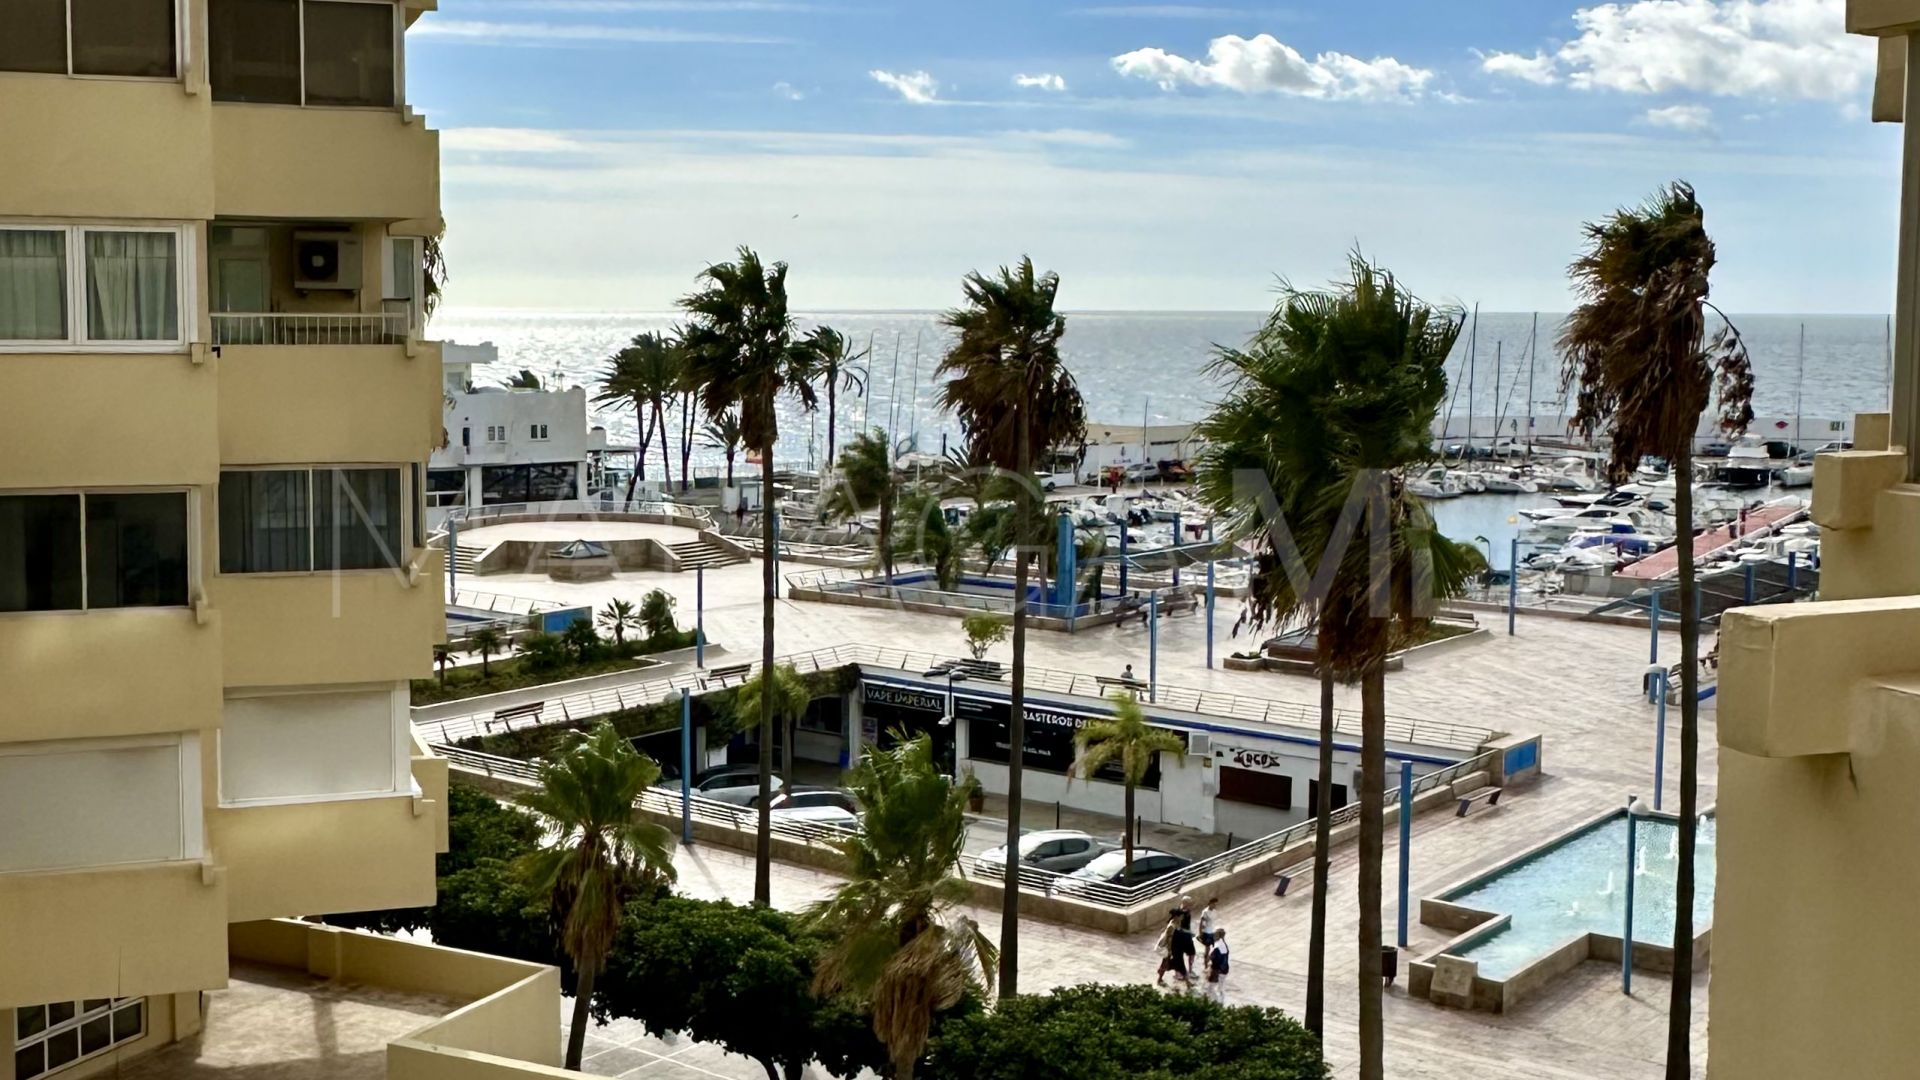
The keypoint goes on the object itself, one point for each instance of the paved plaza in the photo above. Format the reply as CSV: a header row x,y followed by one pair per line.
x,y
1576,683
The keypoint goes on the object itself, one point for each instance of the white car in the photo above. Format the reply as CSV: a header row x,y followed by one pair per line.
x,y
1060,850
736,784
838,817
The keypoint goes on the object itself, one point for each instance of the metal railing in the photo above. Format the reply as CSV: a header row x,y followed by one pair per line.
x,y
500,602
473,517
589,705
272,328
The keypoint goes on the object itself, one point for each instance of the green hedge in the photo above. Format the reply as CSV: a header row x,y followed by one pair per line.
x,y
520,672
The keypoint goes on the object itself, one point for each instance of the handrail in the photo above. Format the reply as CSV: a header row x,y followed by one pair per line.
x,y
588,705
304,328
501,602
565,509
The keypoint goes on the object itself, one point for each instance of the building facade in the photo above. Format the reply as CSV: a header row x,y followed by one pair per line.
x,y
507,444
214,584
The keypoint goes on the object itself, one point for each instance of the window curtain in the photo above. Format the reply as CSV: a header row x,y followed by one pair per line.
x,y
356,522
132,292
264,522
33,285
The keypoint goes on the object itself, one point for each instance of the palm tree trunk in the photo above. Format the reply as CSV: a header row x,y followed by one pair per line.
x,y
1016,733
686,439
1680,1010
666,447
577,1034
1126,827
833,378
1373,778
1322,858
763,843
886,531
640,455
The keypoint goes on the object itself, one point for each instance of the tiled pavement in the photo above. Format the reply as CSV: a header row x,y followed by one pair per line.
x,y
1574,682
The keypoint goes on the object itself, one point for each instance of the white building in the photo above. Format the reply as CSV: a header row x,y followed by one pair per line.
x,y
507,445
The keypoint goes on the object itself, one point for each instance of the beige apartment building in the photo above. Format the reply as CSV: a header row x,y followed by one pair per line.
x,y
215,414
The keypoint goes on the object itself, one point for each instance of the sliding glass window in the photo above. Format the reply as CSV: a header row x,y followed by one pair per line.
x,y
86,550
124,38
357,519
304,52
88,285
265,524
293,521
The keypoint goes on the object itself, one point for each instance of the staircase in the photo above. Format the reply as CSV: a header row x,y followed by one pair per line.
x,y
466,558
700,555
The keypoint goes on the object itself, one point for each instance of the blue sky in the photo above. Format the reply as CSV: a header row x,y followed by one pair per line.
x,y
597,153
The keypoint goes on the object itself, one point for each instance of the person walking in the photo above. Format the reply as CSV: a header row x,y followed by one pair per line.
x,y
1217,967
1209,921
1170,959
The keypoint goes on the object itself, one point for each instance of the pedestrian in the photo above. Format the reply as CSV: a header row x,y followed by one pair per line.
x,y
1127,675
1169,959
1183,949
1217,966
1209,921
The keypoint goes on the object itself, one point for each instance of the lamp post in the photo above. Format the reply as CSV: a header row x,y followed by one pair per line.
x,y
955,673
1513,582
700,616
1210,594
1660,685
686,765
1406,837
1635,811
1153,645
453,572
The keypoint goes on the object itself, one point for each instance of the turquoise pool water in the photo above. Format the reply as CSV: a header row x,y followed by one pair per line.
x,y
1579,885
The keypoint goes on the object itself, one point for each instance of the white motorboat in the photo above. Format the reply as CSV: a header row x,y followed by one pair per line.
x,y
1610,519
1436,483
1798,475
1748,465
1569,474
1506,481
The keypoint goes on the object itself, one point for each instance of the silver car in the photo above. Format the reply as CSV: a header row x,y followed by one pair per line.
x,y
1061,851
736,784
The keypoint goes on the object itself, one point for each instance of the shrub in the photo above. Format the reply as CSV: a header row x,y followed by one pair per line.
x,y
1096,1032
984,629
656,612
541,651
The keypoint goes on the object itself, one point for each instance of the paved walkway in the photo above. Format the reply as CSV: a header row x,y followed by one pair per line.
x,y
1577,683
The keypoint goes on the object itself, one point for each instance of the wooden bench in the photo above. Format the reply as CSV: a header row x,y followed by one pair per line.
x,y
1179,604
981,669
1488,795
719,676
1112,682
506,716
1285,877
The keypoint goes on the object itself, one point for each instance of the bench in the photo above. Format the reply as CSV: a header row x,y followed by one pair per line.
x,y
981,669
506,716
1488,795
719,676
1285,877
1179,604
1111,682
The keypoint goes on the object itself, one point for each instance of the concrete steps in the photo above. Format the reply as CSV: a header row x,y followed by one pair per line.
x,y
698,554
466,558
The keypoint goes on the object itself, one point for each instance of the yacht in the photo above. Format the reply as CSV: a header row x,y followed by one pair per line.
x,y
1507,481
1611,519
1569,474
1435,483
1748,465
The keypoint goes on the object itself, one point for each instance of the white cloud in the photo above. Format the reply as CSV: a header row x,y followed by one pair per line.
x,y
917,87
1681,117
1040,82
1538,69
1264,64
574,34
1767,49
1158,11
788,91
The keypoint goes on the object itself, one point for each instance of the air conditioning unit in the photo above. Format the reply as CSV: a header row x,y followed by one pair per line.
x,y
326,260
1199,744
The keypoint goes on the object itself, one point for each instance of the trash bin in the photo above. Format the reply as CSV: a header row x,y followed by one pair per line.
x,y
1389,963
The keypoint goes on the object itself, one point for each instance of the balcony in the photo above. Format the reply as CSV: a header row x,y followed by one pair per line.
x,y
98,419
362,854
351,626
328,402
263,328
286,161
104,148
156,928
125,671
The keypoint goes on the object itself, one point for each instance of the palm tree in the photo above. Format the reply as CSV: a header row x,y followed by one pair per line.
x,y
525,379
645,374
656,612
1129,740
791,696
441,656
485,643
741,353
617,617
595,855
841,365
580,637
1013,396
864,480
927,537
722,433
1639,349
1328,405
894,939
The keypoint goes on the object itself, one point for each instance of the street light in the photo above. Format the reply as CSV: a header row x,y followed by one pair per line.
x,y
954,673
1635,811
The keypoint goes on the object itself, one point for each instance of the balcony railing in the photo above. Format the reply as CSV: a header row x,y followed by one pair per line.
x,y
359,328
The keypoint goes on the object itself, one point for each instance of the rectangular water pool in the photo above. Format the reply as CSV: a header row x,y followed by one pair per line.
x,y
1578,886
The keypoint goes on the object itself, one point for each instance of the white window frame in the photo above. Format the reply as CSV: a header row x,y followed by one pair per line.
x,y
537,432
80,1018
193,547
497,434
407,511
76,339
399,31
390,288
192,821
404,783
182,41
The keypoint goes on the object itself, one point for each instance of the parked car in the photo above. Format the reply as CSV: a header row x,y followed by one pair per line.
x,y
804,796
1828,448
1060,850
818,815
737,784
1716,449
1112,868
1139,472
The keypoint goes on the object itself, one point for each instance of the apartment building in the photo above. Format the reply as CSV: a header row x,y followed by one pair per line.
x,y
216,411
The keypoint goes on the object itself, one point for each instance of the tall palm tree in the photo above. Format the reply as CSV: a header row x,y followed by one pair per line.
x,y
644,375
656,612
864,480
1355,377
1647,365
1014,398
486,643
742,353
722,433
841,367
618,617
595,855
894,939
1132,742
921,533
791,696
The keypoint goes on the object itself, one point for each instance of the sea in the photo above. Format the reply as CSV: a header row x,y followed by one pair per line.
x,y
1158,366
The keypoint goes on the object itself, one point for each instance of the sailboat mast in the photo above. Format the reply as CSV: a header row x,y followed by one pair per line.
x,y
1499,400
1473,351
1799,380
1533,350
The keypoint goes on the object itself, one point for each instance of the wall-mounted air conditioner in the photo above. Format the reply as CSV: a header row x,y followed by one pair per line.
x,y
1199,744
326,260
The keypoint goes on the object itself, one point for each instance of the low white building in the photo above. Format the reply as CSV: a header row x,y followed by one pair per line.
x,y
507,445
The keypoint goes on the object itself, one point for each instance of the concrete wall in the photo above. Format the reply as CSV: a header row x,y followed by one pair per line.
x,y
357,404
67,674
70,418
113,932
355,626
280,161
